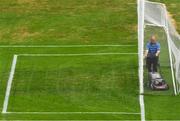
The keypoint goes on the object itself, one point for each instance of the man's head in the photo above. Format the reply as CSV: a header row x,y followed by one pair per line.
x,y
153,39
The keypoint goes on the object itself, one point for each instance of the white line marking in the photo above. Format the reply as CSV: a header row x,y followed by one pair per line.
x,y
81,120
8,89
62,46
141,10
141,100
117,113
79,54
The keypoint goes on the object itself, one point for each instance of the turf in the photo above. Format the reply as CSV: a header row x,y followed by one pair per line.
x,y
67,22
81,84
96,83
71,84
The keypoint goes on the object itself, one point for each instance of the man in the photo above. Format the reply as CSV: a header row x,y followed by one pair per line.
x,y
152,54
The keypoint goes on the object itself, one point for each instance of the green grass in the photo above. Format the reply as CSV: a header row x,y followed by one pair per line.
x,y
83,83
71,84
67,22
68,84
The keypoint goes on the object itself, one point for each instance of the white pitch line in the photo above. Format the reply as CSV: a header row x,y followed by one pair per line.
x,y
62,46
79,54
141,11
141,100
116,113
8,89
81,120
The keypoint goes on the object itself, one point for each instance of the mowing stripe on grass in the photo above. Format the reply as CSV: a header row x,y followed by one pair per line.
x,y
62,46
79,54
116,113
8,89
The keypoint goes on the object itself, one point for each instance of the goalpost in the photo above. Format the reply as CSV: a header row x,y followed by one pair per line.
x,y
153,18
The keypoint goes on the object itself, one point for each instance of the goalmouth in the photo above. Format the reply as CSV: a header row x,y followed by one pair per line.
x,y
153,18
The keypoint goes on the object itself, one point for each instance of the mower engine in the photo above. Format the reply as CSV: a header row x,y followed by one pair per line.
x,y
157,82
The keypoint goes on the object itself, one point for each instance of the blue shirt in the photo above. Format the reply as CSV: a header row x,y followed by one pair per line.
x,y
153,47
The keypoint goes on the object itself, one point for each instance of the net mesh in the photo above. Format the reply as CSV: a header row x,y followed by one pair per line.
x,y
156,20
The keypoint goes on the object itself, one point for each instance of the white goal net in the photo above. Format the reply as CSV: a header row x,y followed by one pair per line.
x,y
153,18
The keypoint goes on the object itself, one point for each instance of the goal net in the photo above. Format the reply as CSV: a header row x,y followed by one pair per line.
x,y
154,19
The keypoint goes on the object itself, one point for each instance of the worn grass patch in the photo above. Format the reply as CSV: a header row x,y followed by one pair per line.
x,y
67,22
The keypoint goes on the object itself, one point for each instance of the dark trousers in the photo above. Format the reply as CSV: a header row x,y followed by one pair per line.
x,y
152,63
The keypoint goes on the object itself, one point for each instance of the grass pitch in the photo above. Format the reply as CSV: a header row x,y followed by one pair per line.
x,y
76,86
55,87
73,84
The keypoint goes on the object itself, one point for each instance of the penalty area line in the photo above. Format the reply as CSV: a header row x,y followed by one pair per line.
x,y
62,46
79,54
9,83
74,120
115,113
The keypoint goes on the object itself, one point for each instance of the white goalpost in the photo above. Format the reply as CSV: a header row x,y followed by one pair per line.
x,y
153,18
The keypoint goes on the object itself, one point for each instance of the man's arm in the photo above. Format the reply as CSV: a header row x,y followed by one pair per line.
x,y
158,50
146,51
157,53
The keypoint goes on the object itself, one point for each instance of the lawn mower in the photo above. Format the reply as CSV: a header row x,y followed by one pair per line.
x,y
156,80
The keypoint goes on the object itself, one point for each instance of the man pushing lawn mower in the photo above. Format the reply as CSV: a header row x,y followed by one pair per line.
x,y
152,52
